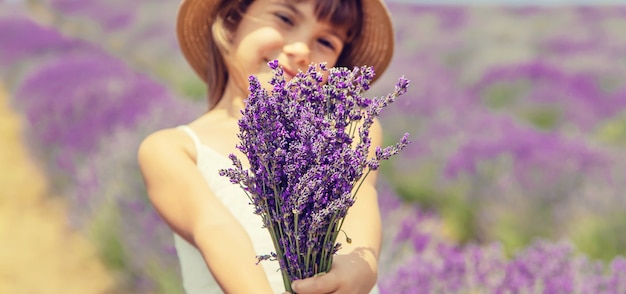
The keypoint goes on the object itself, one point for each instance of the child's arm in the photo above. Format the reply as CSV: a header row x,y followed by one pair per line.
x,y
183,199
355,267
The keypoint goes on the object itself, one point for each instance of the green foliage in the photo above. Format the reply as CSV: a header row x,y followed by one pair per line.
x,y
504,95
543,117
508,96
517,229
105,234
182,80
613,131
423,187
167,281
193,87
600,237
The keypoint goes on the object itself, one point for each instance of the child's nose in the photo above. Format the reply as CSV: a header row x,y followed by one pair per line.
x,y
298,52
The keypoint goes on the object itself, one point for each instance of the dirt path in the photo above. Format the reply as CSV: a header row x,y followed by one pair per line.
x,y
38,253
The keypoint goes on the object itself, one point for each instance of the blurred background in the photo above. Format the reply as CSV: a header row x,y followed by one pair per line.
x,y
514,182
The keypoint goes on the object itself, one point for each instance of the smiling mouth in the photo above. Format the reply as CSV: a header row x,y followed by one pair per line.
x,y
288,73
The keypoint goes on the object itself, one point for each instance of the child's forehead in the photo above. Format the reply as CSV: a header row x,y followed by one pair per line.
x,y
344,14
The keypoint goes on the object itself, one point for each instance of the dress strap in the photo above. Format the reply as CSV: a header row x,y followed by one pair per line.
x,y
191,134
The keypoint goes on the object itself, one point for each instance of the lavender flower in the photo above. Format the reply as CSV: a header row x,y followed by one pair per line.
x,y
308,145
107,202
110,14
73,101
418,259
41,42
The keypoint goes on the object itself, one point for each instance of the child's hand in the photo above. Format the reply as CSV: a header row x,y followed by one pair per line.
x,y
349,274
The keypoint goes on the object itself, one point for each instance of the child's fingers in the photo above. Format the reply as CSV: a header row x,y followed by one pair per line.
x,y
326,283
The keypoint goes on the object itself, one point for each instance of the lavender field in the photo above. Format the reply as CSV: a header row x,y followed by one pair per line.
x,y
514,182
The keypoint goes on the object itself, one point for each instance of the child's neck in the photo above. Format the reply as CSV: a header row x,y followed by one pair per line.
x,y
232,101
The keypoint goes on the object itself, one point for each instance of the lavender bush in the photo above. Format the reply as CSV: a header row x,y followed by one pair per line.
x,y
141,34
109,203
542,267
417,257
73,102
553,98
109,15
73,92
507,121
87,132
307,145
87,111
19,55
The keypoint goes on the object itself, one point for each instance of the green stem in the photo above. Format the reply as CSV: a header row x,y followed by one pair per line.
x,y
324,258
279,252
295,217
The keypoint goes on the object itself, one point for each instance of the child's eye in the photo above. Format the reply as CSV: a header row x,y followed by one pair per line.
x,y
326,43
284,18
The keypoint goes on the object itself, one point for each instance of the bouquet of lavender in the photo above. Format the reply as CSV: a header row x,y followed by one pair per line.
x,y
307,145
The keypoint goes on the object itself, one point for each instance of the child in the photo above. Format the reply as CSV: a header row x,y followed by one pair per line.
x,y
217,236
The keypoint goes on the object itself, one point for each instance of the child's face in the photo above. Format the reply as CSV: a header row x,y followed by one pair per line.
x,y
287,31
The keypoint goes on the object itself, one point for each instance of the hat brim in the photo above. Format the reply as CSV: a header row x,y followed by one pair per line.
x,y
373,47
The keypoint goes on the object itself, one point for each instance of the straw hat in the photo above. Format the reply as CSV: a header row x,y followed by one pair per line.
x,y
374,46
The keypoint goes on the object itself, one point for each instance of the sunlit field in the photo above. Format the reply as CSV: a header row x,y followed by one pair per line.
x,y
513,183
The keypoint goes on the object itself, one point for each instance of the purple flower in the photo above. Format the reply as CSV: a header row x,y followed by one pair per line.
x,y
41,42
107,201
73,101
308,145
110,15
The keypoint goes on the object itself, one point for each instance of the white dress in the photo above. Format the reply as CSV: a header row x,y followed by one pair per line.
x,y
196,276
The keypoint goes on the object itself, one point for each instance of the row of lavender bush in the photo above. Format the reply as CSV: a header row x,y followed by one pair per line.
x,y
518,126
88,111
417,258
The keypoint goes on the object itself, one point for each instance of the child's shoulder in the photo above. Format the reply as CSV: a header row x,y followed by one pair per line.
x,y
164,142
164,137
